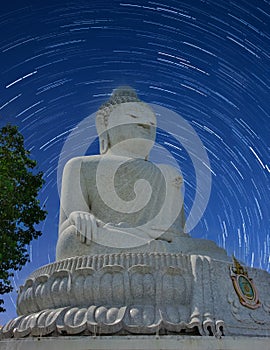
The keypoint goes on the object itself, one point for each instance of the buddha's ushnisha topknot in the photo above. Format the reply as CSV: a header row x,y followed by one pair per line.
x,y
125,93
122,94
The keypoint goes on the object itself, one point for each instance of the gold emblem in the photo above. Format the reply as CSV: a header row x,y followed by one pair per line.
x,y
244,286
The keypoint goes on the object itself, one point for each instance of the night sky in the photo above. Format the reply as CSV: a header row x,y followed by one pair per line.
x,y
206,60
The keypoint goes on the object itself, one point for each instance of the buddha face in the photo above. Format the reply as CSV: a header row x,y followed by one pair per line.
x,y
131,129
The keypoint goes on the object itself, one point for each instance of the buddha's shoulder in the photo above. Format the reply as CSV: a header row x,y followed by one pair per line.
x,y
91,162
82,161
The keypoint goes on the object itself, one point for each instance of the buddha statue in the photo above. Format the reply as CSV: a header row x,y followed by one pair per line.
x,y
124,263
119,200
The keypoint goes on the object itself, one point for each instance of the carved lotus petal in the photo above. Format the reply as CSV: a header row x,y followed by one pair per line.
x,y
100,314
112,315
135,315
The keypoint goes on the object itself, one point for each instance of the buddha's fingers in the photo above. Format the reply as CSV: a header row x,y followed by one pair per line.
x,y
76,219
88,232
81,227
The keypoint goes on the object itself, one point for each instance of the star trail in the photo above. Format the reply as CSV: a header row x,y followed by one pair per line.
x,y
206,60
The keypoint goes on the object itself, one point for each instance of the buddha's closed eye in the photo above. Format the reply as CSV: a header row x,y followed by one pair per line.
x,y
144,126
135,116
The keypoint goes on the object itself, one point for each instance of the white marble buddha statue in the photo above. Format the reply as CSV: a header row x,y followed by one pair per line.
x,y
119,201
140,273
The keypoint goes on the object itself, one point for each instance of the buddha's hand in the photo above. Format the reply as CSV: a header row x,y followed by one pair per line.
x,y
86,226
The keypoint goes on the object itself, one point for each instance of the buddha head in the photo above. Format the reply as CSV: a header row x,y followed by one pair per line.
x,y
126,125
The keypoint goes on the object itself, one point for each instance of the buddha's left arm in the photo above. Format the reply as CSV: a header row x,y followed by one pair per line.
x,y
172,217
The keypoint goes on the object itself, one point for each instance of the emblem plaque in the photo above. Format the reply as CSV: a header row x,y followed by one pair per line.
x,y
244,286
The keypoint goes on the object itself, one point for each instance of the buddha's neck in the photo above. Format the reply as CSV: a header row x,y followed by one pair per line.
x,y
124,153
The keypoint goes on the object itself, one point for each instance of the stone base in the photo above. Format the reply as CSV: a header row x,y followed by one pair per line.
x,y
142,294
137,343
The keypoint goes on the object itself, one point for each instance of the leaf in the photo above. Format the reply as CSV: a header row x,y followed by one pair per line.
x,y
20,209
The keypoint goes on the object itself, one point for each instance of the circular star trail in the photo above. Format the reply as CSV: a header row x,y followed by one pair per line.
x,y
206,60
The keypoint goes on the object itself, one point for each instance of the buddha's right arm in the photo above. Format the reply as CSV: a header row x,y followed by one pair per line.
x,y
74,194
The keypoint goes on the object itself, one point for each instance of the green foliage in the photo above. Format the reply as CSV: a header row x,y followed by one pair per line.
x,y
19,207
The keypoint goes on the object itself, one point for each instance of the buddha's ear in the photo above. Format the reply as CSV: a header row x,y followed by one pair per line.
x,y
104,143
100,123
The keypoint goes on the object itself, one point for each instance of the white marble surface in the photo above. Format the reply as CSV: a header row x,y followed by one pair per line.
x,y
138,293
124,263
120,200
137,343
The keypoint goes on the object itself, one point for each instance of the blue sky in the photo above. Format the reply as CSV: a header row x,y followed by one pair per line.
x,y
206,60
